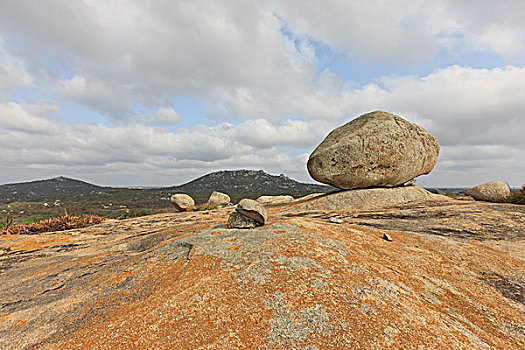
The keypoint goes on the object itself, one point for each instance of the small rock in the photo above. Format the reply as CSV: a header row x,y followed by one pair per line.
x,y
218,199
253,209
410,183
237,220
493,191
273,200
336,220
182,202
387,237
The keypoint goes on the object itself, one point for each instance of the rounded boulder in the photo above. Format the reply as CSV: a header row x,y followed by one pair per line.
x,y
182,202
218,199
253,209
377,149
494,191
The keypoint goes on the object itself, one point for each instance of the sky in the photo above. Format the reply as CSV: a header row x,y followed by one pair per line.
x,y
160,92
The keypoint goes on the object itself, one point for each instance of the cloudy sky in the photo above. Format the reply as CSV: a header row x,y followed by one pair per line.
x,y
160,92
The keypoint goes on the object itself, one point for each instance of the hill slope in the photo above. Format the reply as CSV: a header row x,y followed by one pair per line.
x,y
26,191
38,199
240,184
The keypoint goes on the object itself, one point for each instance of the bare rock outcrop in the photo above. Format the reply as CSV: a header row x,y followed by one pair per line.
x,y
182,202
253,209
247,214
493,191
377,149
237,220
372,198
218,199
274,200
453,278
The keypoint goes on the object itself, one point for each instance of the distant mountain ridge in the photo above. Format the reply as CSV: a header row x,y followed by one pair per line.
x,y
34,189
237,184
240,184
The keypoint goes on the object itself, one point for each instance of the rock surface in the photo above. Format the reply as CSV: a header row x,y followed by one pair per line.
x,y
253,209
377,149
275,200
493,191
182,202
452,279
237,220
371,198
218,199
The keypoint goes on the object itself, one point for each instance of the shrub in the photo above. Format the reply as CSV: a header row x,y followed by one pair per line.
x,y
61,223
517,196
207,207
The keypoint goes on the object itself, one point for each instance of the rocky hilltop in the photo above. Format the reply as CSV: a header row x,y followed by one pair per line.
x,y
239,184
27,201
36,189
310,278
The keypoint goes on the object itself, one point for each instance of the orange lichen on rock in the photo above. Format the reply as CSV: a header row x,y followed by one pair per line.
x,y
184,281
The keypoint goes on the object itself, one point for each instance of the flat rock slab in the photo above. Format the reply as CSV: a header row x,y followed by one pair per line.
x,y
372,198
185,281
275,200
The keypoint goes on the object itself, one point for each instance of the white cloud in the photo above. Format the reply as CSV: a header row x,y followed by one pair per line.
x,y
461,105
262,134
234,57
476,114
256,67
13,74
405,32
467,165
35,144
30,118
162,116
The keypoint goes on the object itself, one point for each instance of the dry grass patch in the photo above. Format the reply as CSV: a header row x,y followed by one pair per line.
x,y
517,196
61,223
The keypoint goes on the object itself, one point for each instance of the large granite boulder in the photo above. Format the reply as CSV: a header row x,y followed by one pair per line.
x,y
253,209
493,191
377,149
182,202
218,199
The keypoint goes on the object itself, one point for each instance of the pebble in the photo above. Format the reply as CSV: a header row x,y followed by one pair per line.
x,y
336,220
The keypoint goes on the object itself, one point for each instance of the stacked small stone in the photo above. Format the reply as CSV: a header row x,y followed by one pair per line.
x,y
248,214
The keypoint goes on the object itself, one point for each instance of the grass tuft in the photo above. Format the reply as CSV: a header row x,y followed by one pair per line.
x,y
60,223
206,207
517,196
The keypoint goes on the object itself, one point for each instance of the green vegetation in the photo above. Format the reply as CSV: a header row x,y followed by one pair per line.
x,y
206,207
517,196
44,199
119,204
